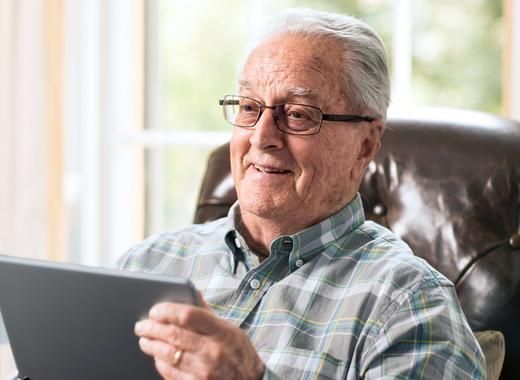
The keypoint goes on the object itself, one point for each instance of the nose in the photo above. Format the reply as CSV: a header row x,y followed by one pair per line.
x,y
266,134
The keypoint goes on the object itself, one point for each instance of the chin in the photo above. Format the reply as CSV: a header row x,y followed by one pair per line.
x,y
260,206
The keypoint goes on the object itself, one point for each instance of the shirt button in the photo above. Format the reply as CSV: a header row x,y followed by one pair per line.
x,y
255,284
299,263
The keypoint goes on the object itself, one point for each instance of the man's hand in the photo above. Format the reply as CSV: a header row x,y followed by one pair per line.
x,y
189,342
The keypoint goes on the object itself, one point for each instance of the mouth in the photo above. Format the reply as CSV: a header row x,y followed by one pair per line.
x,y
269,170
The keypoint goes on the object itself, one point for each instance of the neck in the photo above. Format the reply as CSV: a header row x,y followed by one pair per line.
x,y
259,235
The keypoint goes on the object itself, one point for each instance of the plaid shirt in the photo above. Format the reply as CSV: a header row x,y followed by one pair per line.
x,y
343,299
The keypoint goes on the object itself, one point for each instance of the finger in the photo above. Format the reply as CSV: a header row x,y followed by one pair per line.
x,y
194,318
169,333
168,372
160,351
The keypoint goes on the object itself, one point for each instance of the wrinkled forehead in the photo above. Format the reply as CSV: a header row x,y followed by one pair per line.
x,y
294,65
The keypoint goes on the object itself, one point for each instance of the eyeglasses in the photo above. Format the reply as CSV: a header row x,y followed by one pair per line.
x,y
292,118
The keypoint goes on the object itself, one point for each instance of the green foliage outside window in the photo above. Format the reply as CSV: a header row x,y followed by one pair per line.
x,y
457,54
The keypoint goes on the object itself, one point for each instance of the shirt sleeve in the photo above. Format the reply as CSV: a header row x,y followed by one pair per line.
x,y
142,257
425,336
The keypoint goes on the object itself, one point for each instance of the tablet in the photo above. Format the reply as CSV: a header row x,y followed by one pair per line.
x,y
66,321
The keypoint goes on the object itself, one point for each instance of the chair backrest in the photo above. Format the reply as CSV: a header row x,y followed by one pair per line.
x,y
448,183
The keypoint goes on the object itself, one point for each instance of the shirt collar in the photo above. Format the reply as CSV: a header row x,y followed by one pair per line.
x,y
304,245
313,240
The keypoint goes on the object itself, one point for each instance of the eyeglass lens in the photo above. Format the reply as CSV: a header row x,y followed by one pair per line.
x,y
245,112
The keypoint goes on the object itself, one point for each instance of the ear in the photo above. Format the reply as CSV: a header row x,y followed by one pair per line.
x,y
370,144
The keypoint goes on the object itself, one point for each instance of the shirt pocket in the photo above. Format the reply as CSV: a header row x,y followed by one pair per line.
x,y
297,363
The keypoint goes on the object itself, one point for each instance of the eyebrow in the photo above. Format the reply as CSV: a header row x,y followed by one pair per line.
x,y
298,91
242,83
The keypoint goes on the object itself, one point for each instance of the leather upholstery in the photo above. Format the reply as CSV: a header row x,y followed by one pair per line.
x,y
448,183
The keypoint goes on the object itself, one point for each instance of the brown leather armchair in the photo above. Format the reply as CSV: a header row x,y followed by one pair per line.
x,y
448,183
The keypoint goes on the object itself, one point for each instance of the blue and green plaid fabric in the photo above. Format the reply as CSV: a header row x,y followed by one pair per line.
x,y
344,299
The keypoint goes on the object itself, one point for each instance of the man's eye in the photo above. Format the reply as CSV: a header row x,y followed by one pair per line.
x,y
296,115
248,108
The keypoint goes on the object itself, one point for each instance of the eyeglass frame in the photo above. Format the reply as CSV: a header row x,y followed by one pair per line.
x,y
324,116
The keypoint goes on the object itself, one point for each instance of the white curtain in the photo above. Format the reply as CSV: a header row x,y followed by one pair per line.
x,y
104,76
22,127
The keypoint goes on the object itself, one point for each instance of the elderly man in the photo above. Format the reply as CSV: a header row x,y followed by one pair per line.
x,y
296,283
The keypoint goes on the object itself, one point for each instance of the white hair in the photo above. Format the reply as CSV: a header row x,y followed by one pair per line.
x,y
365,67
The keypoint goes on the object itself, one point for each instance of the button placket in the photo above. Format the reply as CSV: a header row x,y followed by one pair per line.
x,y
255,284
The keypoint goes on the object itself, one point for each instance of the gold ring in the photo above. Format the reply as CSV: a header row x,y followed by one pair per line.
x,y
177,358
